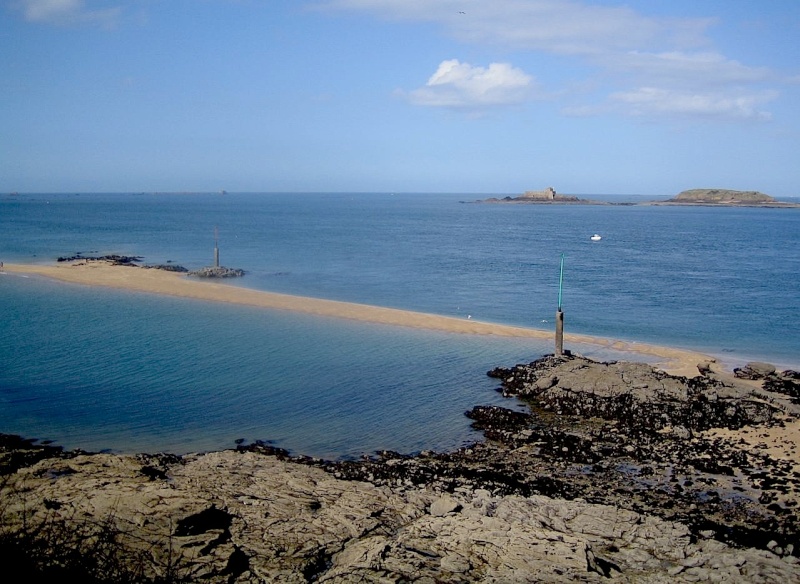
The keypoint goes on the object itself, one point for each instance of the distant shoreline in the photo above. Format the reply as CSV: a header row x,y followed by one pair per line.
x,y
672,360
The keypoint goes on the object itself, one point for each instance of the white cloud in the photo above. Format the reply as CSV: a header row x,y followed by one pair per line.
x,y
656,66
66,12
461,85
652,101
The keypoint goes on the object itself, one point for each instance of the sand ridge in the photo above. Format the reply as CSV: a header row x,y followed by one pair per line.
x,y
97,273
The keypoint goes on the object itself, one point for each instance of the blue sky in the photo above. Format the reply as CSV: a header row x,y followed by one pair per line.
x,y
477,96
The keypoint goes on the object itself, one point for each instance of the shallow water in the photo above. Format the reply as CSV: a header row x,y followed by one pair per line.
x,y
102,369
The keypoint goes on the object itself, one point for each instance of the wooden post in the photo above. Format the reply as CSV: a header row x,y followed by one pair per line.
x,y
559,333
560,313
216,248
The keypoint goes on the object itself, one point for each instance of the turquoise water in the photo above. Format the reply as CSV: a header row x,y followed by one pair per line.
x,y
101,369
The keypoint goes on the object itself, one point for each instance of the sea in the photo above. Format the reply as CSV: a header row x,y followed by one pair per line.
x,y
121,371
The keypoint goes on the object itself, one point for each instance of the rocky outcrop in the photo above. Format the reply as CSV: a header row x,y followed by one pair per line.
x,y
634,395
120,260
167,268
610,472
114,259
217,272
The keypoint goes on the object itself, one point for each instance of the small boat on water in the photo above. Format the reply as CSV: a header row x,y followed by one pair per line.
x,y
595,237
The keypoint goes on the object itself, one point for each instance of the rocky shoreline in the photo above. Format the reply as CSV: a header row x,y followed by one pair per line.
x,y
616,470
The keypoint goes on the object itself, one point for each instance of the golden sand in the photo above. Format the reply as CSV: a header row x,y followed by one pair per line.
x,y
671,360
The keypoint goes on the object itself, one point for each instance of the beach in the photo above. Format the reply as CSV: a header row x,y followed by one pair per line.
x,y
675,361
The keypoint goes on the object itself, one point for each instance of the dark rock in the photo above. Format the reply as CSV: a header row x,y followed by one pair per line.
x,y
202,522
263,447
497,418
168,268
217,272
117,260
17,452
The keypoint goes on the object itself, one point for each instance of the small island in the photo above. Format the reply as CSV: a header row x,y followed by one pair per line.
x,y
546,196
724,197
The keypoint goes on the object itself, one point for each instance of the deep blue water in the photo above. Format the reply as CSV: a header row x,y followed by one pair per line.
x,y
99,369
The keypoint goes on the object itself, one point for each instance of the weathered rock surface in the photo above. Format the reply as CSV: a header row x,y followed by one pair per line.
x,y
612,473
246,517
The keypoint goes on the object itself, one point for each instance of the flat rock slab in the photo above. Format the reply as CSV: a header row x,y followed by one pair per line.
x,y
247,517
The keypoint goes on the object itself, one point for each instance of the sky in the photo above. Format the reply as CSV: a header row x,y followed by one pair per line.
x,y
647,97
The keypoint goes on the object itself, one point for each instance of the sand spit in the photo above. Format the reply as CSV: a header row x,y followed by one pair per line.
x,y
94,273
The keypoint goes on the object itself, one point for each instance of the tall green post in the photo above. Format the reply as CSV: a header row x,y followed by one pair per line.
x,y
560,313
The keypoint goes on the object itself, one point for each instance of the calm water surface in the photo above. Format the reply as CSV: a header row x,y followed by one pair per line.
x,y
103,369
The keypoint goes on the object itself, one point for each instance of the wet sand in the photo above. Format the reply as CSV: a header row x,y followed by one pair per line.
x,y
672,360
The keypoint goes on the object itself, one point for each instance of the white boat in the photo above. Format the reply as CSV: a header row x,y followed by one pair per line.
x,y
595,237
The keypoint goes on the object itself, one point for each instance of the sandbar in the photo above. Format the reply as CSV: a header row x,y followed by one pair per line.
x,y
154,281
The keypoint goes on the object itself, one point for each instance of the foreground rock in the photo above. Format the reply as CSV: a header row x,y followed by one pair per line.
x,y
616,471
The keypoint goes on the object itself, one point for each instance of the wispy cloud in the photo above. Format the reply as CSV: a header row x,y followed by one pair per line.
x,y
654,66
561,26
705,68
461,85
653,101
66,12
